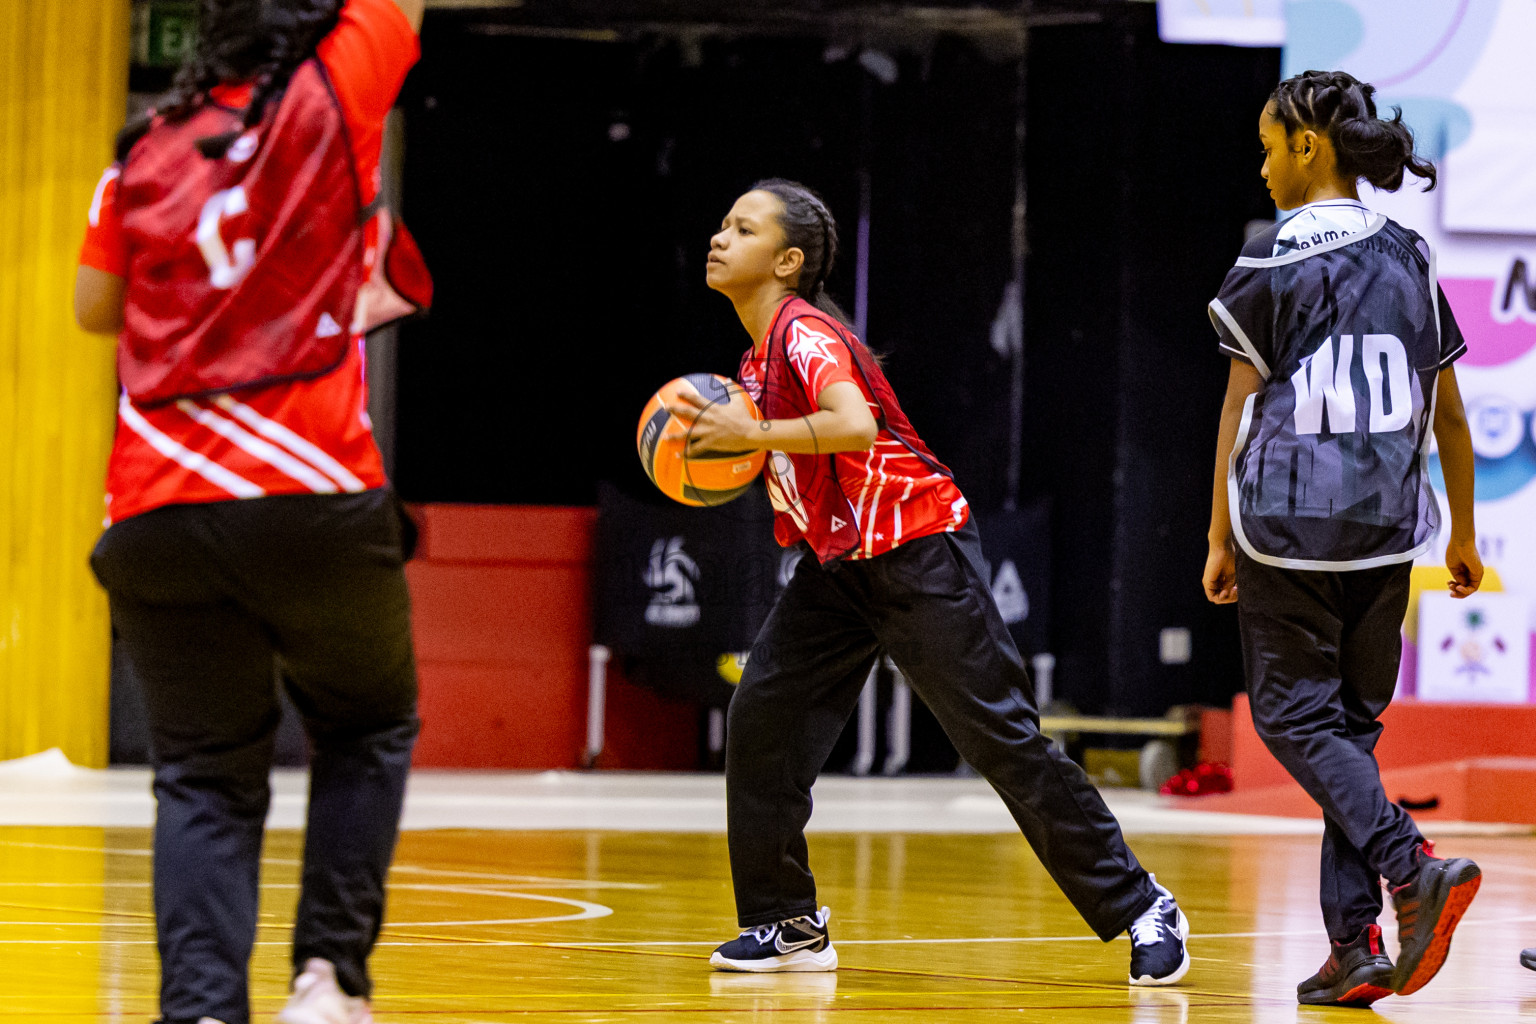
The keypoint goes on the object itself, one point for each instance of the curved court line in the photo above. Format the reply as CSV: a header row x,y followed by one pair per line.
x,y
540,881
585,911
490,876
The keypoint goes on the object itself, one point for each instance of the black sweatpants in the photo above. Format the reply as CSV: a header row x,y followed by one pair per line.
x,y
1321,652
206,600
928,606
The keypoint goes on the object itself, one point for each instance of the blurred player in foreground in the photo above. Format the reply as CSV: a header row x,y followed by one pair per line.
x,y
250,520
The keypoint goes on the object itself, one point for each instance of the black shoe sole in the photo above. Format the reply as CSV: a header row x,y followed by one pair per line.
x,y
1440,910
1528,959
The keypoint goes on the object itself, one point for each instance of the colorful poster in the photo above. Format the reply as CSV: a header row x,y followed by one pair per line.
x,y
1464,74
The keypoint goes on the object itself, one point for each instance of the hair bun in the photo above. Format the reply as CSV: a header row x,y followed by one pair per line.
x,y
1336,104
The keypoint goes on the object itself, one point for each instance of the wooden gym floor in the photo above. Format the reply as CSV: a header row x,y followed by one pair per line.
x,y
600,926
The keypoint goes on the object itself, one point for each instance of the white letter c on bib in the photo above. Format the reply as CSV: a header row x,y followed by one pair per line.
x,y
225,272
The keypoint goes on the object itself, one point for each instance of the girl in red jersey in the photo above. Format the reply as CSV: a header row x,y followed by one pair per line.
x,y
892,562
250,522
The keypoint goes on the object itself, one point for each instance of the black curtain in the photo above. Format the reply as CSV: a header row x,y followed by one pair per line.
x,y
564,192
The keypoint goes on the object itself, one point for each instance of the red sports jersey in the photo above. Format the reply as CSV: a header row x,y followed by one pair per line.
x,y
301,436
896,495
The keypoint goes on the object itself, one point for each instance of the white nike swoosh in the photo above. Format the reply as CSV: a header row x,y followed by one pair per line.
x,y
780,945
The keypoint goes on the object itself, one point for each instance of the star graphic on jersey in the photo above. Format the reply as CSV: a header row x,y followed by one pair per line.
x,y
807,346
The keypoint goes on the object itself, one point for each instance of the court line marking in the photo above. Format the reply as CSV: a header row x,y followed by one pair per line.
x,y
541,881
585,910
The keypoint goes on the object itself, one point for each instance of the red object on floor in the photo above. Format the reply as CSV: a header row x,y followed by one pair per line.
x,y
502,616
1203,779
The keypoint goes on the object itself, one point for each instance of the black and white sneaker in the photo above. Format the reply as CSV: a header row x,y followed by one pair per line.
x,y
1158,952
799,944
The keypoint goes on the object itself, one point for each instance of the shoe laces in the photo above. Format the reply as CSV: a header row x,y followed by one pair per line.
x,y
1150,927
763,933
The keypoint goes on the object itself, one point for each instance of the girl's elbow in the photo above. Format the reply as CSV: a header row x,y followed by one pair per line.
x,y
94,320
1451,420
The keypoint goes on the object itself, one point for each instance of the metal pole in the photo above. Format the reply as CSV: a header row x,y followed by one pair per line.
x,y
864,759
384,345
898,736
597,701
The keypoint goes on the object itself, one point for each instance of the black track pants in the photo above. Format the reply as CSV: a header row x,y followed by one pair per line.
x,y
1321,651
927,605
206,600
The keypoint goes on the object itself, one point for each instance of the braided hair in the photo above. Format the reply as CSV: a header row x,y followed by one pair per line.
x,y
1338,105
808,226
258,41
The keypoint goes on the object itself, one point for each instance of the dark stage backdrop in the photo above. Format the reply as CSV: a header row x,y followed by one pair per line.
x,y
564,192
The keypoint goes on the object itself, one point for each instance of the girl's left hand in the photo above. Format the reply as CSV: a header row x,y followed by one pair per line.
x,y
714,426
1220,578
1466,567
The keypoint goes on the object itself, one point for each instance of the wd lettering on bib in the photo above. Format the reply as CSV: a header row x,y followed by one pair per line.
x,y
1324,382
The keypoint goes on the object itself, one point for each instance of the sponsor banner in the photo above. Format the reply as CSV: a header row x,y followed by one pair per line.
x,y
1461,70
1234,22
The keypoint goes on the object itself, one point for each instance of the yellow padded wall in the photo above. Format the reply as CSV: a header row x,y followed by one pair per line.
x,y
63,84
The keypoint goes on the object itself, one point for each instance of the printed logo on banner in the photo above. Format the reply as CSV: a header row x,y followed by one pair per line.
x,y
673,577
1009,593
1473,650
1517,299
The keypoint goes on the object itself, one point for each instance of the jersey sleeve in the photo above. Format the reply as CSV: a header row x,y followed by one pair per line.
x,y
1453,345
1241,313
819,358
105,247
367,56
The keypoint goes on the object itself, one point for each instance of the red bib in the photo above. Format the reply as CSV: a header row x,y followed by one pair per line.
x,y
244,270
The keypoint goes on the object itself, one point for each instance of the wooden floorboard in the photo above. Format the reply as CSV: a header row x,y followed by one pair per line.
x,y
489,927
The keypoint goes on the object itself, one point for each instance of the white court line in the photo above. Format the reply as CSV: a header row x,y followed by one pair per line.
x,y
584,910
536,880
540,881
22,844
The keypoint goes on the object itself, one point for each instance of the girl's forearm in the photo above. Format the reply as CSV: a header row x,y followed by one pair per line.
x,y
820,433
1242,381
1455,442
1220,532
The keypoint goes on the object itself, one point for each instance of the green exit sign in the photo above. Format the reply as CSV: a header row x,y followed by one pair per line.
x,y
164,32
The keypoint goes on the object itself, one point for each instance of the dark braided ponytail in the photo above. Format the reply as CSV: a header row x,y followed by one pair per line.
x,y
258,41
1338,105
808,226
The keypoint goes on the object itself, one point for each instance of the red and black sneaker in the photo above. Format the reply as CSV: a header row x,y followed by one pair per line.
x,y
1357,974
1428,910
